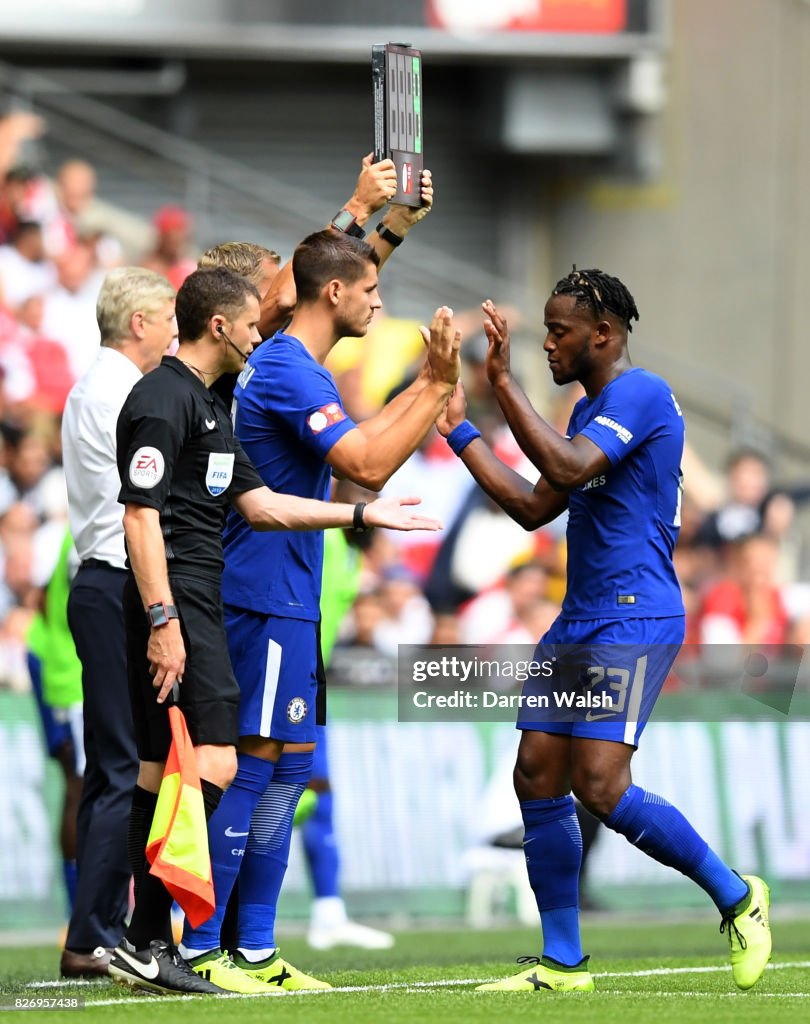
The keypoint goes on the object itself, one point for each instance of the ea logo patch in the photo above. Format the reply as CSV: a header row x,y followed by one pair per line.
x,y
146,468
297,710
325,417
317,422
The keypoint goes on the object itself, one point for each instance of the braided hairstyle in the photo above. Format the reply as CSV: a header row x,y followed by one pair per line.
x,y
600,292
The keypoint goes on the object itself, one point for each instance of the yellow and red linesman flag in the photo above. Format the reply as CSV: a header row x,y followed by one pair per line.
x,y
178,840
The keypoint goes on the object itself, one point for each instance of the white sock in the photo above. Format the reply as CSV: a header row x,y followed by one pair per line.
x,y
187,953
328,912
255,956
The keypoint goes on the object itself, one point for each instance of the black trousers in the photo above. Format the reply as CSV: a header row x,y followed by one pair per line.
x,y
96,619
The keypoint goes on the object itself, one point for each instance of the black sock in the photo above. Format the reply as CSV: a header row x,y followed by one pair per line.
x,y
140,822
151,918
229,929
211,796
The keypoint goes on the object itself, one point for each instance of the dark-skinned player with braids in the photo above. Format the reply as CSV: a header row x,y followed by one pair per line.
x,y
617,472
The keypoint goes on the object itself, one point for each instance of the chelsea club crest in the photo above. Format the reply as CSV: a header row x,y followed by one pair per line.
x,y
297,710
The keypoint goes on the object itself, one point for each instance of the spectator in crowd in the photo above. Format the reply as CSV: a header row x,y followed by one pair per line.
x,y
18,595
512,611
56,681
74,192
24,270
740,515
170,255
407,618
746,606
51,376
69,313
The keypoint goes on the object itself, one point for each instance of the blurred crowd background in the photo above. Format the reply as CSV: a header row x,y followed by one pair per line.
x,y
667,143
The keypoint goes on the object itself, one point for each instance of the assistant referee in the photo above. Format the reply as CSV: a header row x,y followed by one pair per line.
x,y
180,468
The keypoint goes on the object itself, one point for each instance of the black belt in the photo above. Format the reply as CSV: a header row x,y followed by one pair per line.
x,y
97,563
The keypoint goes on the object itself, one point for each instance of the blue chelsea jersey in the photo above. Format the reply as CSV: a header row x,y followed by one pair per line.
x,y
623,524
288,414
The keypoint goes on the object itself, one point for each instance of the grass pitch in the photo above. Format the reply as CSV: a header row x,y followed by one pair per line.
x,y
662,972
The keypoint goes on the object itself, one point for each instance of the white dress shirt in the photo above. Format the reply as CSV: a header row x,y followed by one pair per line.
x,y
88,455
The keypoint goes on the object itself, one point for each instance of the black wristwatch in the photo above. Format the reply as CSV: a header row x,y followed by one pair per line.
x,y
160,613
387,235
358,520
345,221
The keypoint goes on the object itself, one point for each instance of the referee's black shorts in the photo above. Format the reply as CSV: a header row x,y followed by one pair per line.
x,y
209,693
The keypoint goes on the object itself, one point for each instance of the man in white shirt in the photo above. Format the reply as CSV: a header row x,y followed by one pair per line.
x,y
135,313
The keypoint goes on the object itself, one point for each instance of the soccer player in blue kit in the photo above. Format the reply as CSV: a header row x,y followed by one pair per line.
x,y
618,473
290,420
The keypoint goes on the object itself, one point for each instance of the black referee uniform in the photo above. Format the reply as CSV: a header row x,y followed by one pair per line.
x,y
177,454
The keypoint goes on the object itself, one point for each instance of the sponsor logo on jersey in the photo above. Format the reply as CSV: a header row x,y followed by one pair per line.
x,y
146,468
297,710
597,481
621,432
678,409
245,375
325,417
220,472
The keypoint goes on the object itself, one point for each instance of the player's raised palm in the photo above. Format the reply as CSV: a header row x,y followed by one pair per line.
x,y
443,347
498,362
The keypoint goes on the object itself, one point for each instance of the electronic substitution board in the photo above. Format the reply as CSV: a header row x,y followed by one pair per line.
x,y
396,71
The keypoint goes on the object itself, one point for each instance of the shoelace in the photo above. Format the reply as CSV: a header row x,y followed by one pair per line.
x,y
728,922
178,961
227,963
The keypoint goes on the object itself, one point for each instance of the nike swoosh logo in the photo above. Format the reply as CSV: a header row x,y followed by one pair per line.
x,y
233,835
210,424
149,971
591,717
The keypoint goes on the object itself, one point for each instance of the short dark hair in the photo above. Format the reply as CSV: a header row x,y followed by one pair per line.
x,y
601,293
328,255
207,292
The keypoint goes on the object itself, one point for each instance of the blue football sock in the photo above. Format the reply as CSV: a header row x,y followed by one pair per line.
x,y
318,834
227,835
553,849
658,829
268,851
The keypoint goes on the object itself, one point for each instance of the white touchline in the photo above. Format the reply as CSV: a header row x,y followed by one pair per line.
x,y
418,986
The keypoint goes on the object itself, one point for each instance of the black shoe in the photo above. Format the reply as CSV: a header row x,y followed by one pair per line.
x,y
160,968
85,965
